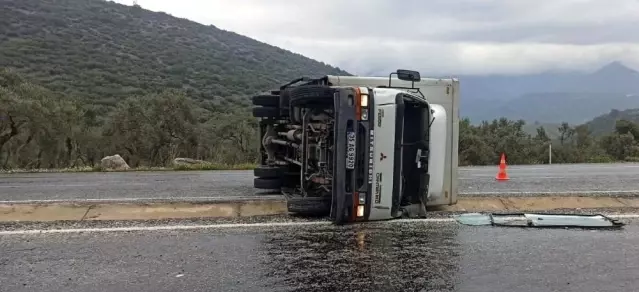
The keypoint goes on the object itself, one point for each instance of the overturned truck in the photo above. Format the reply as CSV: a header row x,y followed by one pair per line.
x,y
360,148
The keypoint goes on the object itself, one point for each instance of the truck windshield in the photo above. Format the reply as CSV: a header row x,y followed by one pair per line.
x,y
414,152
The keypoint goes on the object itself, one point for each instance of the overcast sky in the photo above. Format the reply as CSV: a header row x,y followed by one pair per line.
x,y
433,36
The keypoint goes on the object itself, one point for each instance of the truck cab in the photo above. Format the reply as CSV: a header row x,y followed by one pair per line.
x,y
360,148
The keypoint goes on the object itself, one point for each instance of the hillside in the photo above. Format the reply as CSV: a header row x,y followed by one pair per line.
x,y
550,97
92,78
605,124
107,51
552,130
104,52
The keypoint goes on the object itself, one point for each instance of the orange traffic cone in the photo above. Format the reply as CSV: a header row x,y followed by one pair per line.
x,y
501,174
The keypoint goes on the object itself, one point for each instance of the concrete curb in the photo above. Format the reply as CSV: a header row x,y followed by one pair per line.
x,y
538,203
141,209
264,206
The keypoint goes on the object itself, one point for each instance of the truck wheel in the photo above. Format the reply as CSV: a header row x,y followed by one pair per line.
x,y
285,103
266,112
265,171
266,100
311,95
267,183
309,206
285,98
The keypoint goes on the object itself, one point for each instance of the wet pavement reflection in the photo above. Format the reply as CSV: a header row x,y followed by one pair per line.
x,y
390,257
447,257
368,257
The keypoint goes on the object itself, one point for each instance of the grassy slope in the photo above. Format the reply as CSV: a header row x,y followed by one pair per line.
x,y
105,51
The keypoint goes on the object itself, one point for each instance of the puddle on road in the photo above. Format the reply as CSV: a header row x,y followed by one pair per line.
x,y
363,258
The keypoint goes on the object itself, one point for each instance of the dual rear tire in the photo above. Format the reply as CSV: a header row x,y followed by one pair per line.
x,y
273,179
267,106
279,104
267,178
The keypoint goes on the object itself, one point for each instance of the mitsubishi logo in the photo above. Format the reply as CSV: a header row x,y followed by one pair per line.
x,y
382,157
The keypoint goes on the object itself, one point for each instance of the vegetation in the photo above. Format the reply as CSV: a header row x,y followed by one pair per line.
x,y
91,78
105,52
605,124
105,78
483,144
43,129
40,128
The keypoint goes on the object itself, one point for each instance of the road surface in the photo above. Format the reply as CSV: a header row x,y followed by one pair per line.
x,y
389,256
524,180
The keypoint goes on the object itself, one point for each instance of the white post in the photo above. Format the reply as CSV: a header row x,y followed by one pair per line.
x,y
549,153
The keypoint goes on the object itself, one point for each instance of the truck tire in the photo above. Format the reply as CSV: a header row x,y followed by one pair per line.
x,y
311,95
266,100
309,206
266,112
267,183
265,171
285,103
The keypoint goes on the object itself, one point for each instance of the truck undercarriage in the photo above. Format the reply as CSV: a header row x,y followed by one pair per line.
x,y
297,136
319,149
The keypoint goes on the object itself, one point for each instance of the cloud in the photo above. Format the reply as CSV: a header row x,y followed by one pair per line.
x,y
433,36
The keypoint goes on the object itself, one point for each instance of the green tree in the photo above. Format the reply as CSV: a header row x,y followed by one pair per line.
x,y
565,132
154,129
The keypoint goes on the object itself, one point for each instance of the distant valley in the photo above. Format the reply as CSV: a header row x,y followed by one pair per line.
x,y
550,98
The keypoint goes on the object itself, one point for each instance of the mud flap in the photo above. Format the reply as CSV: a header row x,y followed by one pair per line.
x,y
340,213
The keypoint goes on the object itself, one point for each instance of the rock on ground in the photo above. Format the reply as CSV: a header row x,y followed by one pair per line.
x,y
115,162
188,161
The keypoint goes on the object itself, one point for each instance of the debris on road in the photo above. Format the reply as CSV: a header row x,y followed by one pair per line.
x,y
539,220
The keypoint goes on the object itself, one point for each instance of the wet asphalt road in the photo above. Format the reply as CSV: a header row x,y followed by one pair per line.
x,y
524,180
372,257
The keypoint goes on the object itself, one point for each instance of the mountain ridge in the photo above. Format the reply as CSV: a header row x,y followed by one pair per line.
x,y
551,97
105,51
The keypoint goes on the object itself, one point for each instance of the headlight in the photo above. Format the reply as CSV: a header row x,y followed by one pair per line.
x,y
360,211
364,100
364,114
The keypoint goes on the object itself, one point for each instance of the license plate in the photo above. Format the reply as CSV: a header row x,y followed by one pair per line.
x,y
350,150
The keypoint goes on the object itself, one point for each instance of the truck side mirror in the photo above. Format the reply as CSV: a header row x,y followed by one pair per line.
x,y
408,75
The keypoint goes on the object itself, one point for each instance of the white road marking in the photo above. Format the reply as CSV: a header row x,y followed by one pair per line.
x,y
475,177
516,176
159,228
213,199
164,199
580,192
623,216
552,166
28,185
237,225
48,186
